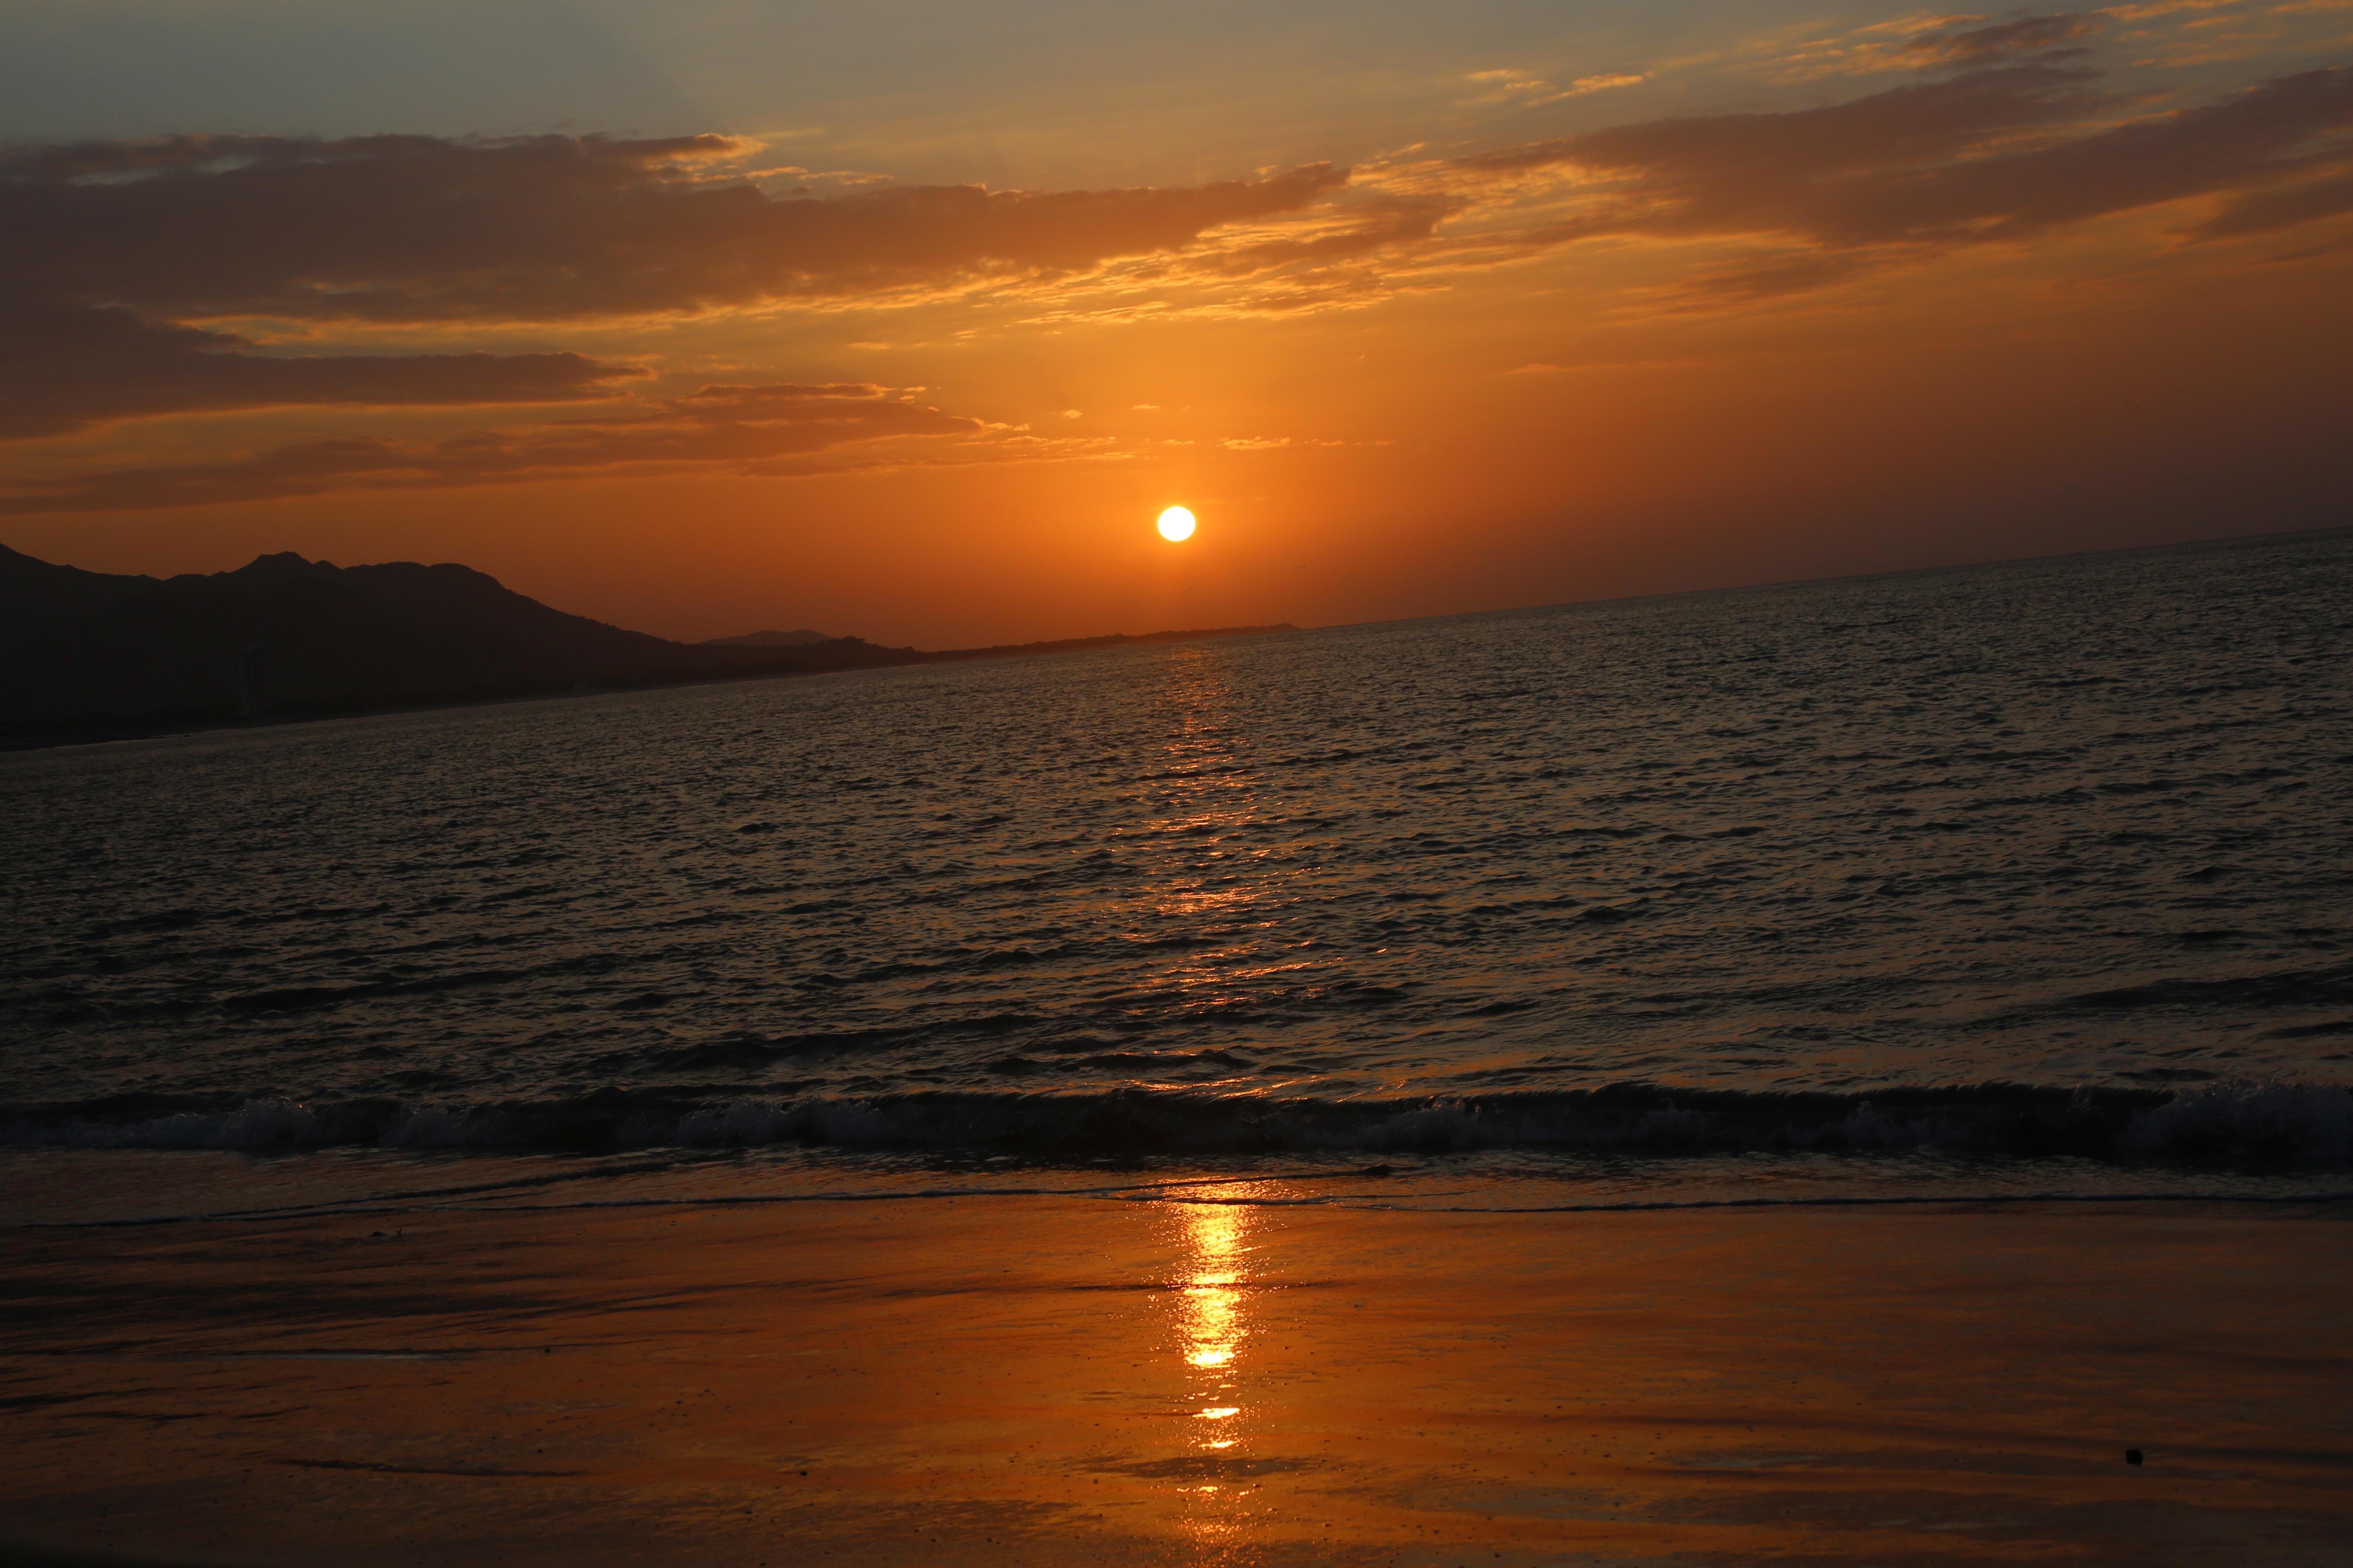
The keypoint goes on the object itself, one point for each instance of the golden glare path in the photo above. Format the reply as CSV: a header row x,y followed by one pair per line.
x,y
1212,1322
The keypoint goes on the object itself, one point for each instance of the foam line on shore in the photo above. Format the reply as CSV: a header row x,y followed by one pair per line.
x,y
2307,1123
1365,1201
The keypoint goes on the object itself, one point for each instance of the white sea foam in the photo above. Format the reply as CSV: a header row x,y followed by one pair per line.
x,y
2306,1125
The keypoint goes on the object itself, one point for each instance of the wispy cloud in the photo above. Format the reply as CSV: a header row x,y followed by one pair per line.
x,y
120,261
2020,36
1525,91
65,368
1995,156
539,230
747,429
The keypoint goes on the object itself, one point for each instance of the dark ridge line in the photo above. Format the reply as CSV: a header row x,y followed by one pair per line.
x,y
92,656
888,658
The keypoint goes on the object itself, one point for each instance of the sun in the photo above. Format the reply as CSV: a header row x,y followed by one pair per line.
x,y
1176,525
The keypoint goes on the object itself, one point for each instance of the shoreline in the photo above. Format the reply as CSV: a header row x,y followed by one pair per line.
x,y
59,1188
1206,1377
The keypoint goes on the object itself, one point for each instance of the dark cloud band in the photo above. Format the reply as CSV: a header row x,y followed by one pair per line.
x,y
110,251
548,228
740,427
64,368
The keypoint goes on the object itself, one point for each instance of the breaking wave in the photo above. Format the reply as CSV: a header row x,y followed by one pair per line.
x,y
2306,1125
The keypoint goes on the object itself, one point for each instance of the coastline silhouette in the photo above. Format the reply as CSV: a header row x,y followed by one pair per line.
x,y
90,654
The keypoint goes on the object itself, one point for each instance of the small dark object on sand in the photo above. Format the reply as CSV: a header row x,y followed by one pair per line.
x,y
1376,1170
2132,1456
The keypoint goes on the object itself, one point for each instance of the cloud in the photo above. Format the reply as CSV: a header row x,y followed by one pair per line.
x,y
1797,201
2020,36
1523,90
1370,223
539,229
2285,206
2156,8
1920,43
119,260
66,368
745,429
160,239
1912,126
1999,154
124,265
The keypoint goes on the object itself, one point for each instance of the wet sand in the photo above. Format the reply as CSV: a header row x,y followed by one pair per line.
x,y
1067,1380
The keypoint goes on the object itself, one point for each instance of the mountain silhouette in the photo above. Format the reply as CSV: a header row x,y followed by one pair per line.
x,y
288,637
767,639
284,637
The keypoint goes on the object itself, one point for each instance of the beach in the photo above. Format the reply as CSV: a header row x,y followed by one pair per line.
x,y
1206,1373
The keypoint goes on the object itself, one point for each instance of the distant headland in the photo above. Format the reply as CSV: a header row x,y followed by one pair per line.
x,y
94,655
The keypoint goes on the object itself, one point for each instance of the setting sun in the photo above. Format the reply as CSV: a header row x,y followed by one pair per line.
x,y
1176,525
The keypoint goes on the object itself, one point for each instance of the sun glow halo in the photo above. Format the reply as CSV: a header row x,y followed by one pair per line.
x,y
1176,525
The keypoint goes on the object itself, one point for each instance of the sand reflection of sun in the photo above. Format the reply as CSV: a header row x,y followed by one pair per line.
x,y
1210,1320
1212,1298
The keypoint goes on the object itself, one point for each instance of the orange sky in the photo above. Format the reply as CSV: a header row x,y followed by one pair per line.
x,y
1564,303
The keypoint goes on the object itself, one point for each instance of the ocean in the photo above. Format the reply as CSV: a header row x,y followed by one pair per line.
x,y
2032,879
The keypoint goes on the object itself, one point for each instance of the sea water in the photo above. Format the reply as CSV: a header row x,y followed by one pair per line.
x,y
2022,878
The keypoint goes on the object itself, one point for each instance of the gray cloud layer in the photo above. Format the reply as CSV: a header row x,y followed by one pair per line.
x,y
2020,35
1946,162
544,228
743,427
63,368
108,250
